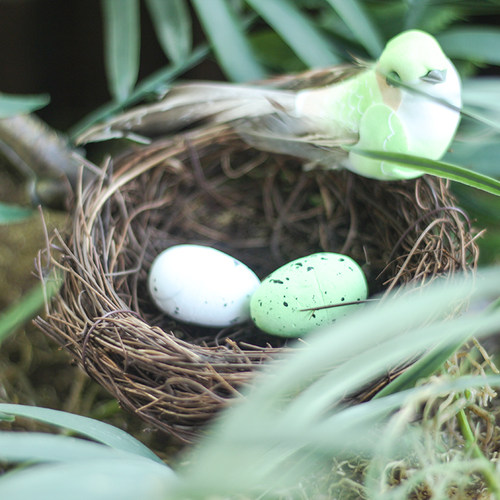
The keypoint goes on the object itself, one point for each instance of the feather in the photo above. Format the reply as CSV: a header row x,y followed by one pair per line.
x,y
195,104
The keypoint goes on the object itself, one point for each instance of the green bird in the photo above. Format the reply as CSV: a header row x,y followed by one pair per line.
x,y
407,102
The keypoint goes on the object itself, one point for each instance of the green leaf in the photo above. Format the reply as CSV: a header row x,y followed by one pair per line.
x,y
100,479
297,31
145,87
13,213
11,105
297,407
121,45
421,369
43,447
437,168
483,92
478,44
172,23
29,304
362,26
94,429
274,53
232,49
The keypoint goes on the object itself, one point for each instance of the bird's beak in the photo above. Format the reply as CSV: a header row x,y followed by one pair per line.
x,y
434,76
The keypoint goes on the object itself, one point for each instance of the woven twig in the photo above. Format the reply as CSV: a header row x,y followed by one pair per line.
x,y
208,187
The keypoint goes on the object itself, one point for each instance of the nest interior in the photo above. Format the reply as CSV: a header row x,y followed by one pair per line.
x,y
208,187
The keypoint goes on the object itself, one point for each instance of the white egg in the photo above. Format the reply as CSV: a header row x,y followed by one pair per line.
x,y
201,285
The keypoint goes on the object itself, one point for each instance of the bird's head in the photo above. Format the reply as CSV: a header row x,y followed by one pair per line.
x,y
413,57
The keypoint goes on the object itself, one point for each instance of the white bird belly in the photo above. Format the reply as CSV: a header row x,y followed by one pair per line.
x,y
431,125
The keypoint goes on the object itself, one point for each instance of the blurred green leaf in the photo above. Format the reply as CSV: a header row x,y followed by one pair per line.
x,y
94,429
121,45
297,30
172,23
437,168
481,156
11,105
423,368
274,53
13,213
100,479
476,43
297,406
231,47
43,447
362,26
483,92
26,308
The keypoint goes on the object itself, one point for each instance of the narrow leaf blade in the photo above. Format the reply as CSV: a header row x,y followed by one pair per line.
x,y
102,479
297,31
94,429
121,45
11,105
13,213
226,36
361,25
172,24
437,168
478,44
22,311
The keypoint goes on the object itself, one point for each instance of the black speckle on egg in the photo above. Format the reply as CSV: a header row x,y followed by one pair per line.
x,y
342,299
155,289
298,264
176,311
341,259
310,268
285,304
278,282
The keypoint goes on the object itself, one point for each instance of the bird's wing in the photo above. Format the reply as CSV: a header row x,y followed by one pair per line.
x,y
193,104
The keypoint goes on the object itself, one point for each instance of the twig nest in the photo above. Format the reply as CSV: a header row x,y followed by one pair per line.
x,y
208,188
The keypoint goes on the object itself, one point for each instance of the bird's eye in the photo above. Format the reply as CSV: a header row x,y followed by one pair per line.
x,y
393,79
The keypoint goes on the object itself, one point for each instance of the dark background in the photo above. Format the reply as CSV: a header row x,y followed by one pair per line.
x,y
56,47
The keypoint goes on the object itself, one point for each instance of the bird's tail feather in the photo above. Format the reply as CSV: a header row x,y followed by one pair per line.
x,y
193,104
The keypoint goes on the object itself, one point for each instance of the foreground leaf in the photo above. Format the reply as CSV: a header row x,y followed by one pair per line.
x,y
437,168
94,429
99,479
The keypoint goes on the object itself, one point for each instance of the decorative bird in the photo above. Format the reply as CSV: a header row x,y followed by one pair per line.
x,y
407,102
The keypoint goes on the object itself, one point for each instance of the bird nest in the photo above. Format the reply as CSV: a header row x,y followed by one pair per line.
x,y
208,187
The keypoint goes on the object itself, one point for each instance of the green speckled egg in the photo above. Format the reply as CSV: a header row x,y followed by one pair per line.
x,y
318,280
